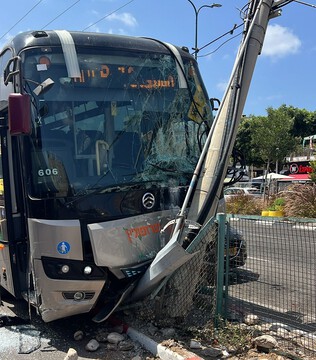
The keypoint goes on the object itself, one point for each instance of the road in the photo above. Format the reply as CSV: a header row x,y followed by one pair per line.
x,y
280,270
36,340
278,277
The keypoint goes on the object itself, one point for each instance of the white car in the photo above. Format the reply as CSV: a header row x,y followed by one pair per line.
x,y
239,191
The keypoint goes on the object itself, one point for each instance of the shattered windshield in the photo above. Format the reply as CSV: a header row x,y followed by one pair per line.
x,y
130,117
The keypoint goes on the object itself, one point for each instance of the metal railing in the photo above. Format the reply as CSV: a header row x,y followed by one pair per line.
x,y
278,280
271,273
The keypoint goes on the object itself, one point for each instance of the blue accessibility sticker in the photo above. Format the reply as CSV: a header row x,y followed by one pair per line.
x,y
63,247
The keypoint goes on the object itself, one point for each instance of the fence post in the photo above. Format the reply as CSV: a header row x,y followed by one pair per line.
x,y
221,222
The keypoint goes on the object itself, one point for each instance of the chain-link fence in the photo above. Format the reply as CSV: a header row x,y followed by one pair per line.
x,y
270,273
189,295
277,282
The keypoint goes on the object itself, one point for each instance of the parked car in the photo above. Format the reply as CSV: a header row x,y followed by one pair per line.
x,y
237,255
231,192
237,248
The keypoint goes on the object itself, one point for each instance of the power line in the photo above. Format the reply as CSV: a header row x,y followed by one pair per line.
x,y
21,19
219,37
222,44
62,13
104,17
304,3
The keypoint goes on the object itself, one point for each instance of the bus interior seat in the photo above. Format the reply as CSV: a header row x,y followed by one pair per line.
x,y
86,141
127,150
57,168
59,152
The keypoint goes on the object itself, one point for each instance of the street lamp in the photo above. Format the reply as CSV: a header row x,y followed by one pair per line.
x,y
197,10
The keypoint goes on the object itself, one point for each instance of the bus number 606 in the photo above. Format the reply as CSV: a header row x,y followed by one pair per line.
x,y
47,172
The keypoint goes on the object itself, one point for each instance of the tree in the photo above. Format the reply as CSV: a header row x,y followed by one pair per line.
x,y
304,122
272,138
268,139
244,141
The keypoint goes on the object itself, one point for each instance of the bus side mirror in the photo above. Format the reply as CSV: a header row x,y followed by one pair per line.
x,y
19,114
215,101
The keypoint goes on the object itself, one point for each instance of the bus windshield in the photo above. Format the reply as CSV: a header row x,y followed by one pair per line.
x,y
130,117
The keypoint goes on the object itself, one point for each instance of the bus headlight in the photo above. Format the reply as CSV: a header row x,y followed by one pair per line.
x,y
65,269
87,270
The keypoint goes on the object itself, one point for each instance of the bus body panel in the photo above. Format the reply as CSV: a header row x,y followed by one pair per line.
x,y
55,238
127,241
56,297
6,278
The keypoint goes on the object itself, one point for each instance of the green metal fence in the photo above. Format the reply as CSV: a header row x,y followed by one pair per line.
x,y
277,283
249,265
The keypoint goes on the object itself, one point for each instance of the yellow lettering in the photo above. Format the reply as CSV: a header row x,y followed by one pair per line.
x,y
105,71
171,80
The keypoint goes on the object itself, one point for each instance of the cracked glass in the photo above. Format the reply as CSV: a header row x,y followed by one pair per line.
x,y
130,117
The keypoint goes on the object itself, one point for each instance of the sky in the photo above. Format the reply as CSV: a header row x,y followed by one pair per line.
x,y
285,71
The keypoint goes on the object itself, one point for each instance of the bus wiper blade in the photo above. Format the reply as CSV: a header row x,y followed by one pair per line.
x,y
172,170
106,189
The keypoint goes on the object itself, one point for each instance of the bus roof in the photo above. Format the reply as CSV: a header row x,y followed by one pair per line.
x,y
50,38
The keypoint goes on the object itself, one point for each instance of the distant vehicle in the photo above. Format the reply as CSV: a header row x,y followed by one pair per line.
x,y
237,243
237,248
239,191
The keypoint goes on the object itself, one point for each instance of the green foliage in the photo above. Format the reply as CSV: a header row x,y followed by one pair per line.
x,y
272,136
277,204
244,205
300,200
244,142
312,175
303,121
268,139
233,336
227,334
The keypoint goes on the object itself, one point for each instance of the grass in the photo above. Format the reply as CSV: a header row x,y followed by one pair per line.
x,y
244,205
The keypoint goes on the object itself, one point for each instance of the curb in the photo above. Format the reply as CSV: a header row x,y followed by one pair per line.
x,y
156,349
163,352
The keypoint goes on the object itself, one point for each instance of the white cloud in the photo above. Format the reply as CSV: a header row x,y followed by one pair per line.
x,y
126,18
117,32
221,86
280,42
94,28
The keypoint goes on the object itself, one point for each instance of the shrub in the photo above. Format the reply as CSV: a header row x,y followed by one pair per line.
x,y
279,202
244,205
276,204
300,200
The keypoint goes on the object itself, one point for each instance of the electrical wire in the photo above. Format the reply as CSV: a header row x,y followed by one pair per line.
x,y
304,3
222,44
219,37
278,6
62,13
107,15
24,16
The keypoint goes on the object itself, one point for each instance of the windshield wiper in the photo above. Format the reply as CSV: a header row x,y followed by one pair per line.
x,y
106,189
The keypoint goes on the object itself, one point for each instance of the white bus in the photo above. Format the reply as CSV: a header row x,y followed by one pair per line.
x,y
99,137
